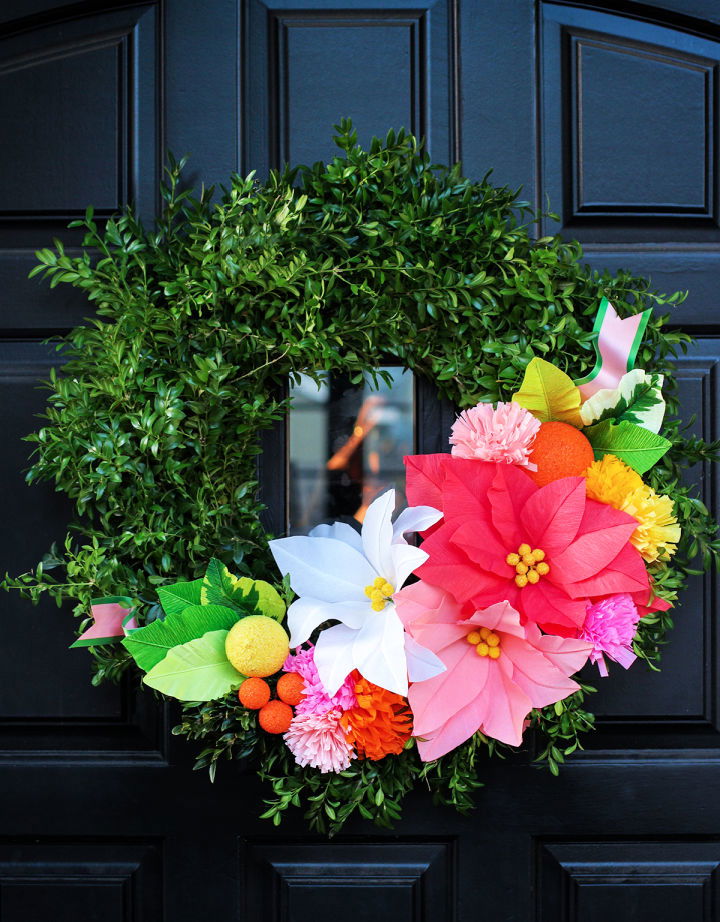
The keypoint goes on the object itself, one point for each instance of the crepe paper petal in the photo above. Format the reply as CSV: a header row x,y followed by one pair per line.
x,y
113,619
626,573
414,519
405,560
198,670
552,608
602,535
323,568
610,626
150,644
379,651
177,597
449,567
464,724
306,614
509,492
340,531
552,515
421,605
422,664
465,489
637,399
424,475
501,616
377,535
334,656
435,701
549,394
505,720
484,547
617,345
637,447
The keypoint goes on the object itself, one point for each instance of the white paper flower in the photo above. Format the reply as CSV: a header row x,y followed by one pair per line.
x,y
344,576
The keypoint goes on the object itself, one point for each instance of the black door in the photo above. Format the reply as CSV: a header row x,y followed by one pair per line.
x,y
611,110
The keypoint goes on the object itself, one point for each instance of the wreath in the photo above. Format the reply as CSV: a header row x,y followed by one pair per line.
x,y
350,664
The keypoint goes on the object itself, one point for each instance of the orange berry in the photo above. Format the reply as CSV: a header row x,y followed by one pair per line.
x,y
275,717
290,688
559,450
254,693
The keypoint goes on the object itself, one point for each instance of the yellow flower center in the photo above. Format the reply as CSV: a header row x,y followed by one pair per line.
x,y
486,642
380,592
530,566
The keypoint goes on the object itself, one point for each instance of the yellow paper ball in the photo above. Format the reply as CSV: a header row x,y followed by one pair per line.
x,y
257,645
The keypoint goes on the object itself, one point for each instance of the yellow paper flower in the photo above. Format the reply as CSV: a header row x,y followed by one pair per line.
x,y
610,481
658,532
613,482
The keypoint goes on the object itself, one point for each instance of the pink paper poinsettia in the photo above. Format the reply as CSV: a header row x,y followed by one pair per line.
x,y
546,550
497,670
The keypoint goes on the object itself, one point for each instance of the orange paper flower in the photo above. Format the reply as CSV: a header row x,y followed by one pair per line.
x,y
381,722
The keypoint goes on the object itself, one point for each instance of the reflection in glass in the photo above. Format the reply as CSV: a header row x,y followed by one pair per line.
x,y
346,446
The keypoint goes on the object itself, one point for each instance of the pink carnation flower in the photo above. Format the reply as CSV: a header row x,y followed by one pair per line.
x,y
320,741
315,699
610,626
504,434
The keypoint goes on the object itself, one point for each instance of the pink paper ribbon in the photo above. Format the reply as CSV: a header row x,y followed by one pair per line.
x,y
617,346
113,620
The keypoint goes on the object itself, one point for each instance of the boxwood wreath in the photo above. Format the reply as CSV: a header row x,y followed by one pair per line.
x,y
152,429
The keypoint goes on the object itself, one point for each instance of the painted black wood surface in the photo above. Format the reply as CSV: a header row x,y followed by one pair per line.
x,y
611,109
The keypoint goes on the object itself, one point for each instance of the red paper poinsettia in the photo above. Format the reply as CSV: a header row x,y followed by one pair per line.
x,y
546,550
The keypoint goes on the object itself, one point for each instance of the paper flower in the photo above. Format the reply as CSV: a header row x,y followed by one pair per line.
x,y
658,532
504,434
610,626
610,481
344,576
379,724
546,550
319,740
315,699
497,670
613,482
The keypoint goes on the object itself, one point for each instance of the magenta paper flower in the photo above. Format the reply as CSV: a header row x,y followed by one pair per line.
x,y
320,741
497,670
315,698
546,550
504,434
610,626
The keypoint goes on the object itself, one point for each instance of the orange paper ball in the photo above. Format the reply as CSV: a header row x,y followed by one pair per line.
x,y
254,693
275,717
290,688
559,450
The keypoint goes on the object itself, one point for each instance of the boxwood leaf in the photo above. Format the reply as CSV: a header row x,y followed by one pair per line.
x,y
149,645
197,670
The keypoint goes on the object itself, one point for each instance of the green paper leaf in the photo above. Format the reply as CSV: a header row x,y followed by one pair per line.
x,y
637,399
149,645
179,596
244,595
197,670
637,447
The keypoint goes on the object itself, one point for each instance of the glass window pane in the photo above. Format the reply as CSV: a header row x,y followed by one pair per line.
x,y
346,446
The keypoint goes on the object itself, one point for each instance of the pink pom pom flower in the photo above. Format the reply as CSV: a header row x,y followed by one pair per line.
x,y
504,434
319,740
610,626
315,699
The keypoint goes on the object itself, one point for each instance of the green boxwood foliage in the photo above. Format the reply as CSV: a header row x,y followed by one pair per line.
x,y
152,428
